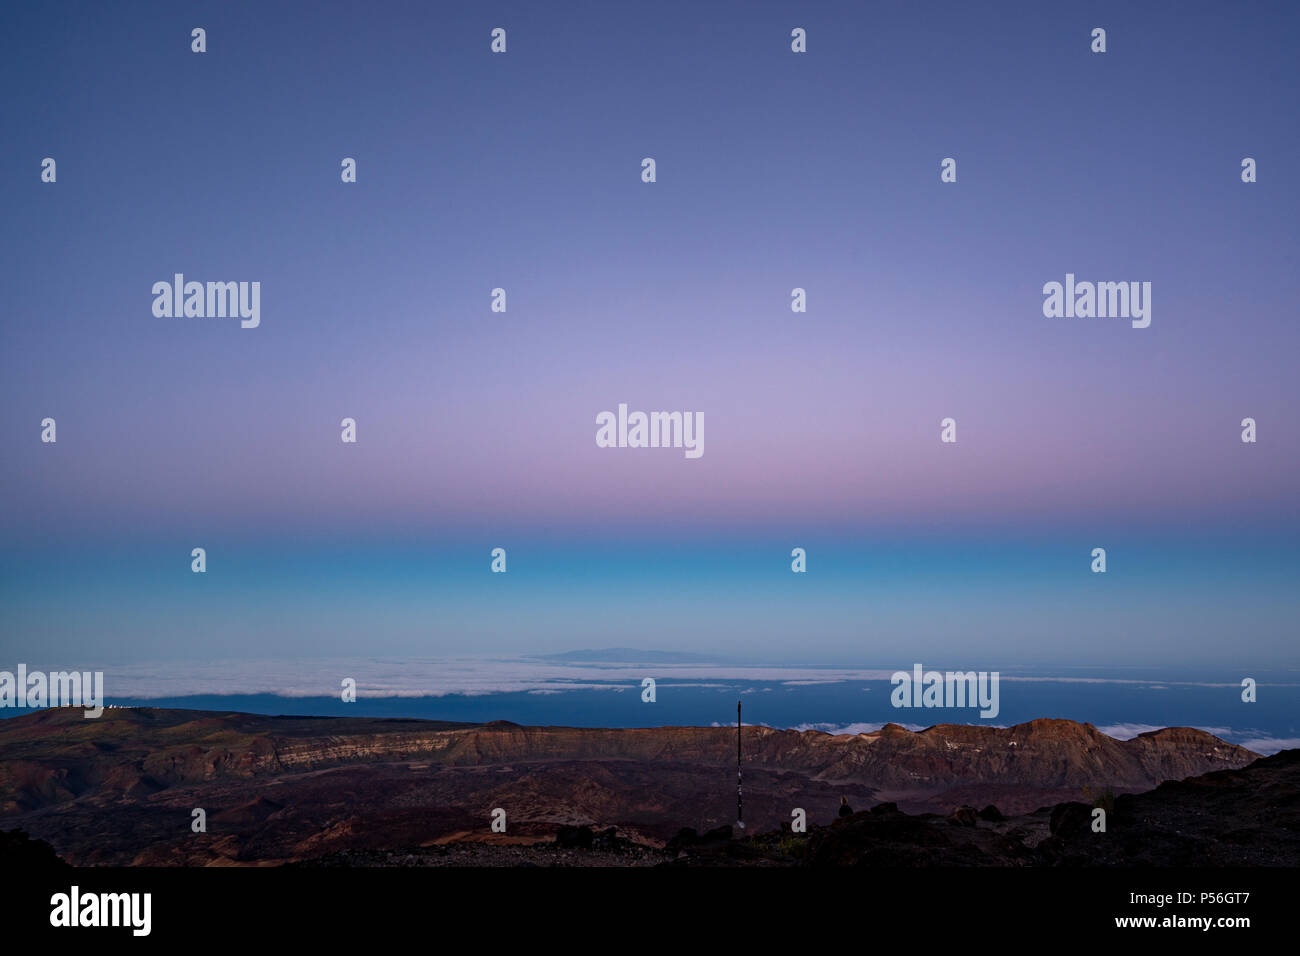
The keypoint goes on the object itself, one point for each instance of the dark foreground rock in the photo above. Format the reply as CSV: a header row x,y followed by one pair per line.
x,y
19,853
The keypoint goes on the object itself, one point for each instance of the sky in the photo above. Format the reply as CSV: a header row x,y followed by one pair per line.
x,y
476,429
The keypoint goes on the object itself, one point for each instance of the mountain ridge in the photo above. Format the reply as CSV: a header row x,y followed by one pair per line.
x,y
279,788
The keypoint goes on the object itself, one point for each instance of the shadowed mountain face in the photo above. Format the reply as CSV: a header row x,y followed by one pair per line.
x,y
122,788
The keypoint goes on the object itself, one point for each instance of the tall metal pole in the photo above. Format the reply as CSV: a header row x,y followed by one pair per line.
x,y
740,816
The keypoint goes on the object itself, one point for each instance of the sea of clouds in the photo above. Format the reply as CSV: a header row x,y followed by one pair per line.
x,y
479,676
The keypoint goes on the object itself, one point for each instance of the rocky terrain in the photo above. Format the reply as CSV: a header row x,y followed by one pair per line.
x,y
1228,818
121,789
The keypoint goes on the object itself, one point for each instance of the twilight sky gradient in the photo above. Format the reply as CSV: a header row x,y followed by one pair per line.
x,y
476,429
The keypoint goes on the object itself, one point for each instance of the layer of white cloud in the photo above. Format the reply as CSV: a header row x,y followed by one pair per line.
x,y
1269,745
433,677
